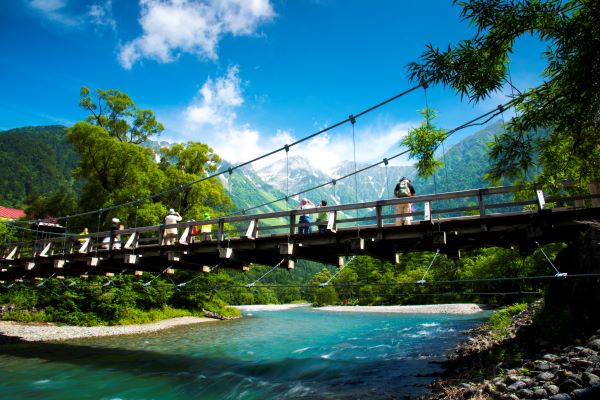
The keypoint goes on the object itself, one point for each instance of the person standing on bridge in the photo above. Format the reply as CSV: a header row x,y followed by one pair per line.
x,y
322,217
404,188
84,232
206,229
170,233
112,241
304,221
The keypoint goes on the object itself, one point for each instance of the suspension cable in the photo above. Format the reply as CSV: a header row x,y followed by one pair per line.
x,y
157,276
392,284
353,121
268,154
98,241
558,273
267,273
337,272
287,176
422,280
490,114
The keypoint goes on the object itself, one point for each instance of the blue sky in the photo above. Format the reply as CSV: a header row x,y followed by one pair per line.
x,y
244,76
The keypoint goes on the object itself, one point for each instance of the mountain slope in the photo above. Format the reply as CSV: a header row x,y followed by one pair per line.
x,y
465,164
39,159
34,160
464,167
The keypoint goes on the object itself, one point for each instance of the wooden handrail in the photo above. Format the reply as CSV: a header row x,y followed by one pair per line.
x,y
255,220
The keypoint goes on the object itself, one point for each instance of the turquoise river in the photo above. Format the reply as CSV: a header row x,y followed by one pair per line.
x,y
302,353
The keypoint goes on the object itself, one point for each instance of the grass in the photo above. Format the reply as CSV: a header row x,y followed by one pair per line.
x,y
501,319
135,316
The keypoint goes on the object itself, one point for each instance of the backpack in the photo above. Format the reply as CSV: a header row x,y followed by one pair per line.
x,y
402,189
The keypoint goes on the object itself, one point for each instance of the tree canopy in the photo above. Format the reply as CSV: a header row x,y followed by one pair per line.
x,y
115,169
115,112
422,143
566,104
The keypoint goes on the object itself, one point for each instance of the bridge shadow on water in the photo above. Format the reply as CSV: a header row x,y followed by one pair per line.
x,y
216,377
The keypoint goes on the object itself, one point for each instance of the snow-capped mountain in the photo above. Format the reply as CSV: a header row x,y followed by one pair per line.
x,y
265,189
292,176
298,175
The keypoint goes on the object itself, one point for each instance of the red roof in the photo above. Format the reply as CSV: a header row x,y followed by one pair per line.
x,y
11,213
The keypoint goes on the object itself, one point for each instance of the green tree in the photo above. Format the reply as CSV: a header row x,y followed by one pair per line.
x,y
323,295
567,103
7,234
58,203
115,172
422,143
185,166
34,160
115,112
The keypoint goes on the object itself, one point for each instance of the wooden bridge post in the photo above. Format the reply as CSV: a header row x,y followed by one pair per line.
x,y
481,202
379,213
541,202
47,248
252,231
14,253
292,223
332,221
427,211
221,230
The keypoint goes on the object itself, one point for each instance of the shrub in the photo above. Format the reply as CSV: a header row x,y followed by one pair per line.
x,y
501,319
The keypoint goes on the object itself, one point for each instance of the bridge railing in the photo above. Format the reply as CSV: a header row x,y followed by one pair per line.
x,y
476,203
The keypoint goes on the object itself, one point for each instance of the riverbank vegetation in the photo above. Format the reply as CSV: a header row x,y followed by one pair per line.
x,y
419,278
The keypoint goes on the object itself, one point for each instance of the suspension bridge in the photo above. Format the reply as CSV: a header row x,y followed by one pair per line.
x,y
487,218
442,222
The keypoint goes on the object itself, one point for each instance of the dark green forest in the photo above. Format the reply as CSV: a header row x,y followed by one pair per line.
x,y
35,160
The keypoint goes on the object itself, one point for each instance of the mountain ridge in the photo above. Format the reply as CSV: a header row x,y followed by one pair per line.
x,y
270,186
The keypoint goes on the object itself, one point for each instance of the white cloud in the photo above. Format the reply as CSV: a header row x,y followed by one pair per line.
x,y
216,101
171,27
54,10
211,118
101,15
372,144
47,6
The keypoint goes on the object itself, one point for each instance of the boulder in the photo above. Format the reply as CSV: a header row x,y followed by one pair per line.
x,y
545,376
594,344
560,396
589,379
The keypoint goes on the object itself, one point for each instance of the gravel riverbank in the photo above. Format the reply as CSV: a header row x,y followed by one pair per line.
x,y
15,331
546,371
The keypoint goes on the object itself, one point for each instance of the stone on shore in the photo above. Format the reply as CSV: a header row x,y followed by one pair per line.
x,y
571,372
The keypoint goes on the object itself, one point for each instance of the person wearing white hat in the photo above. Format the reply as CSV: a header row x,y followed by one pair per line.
x,y
304,226
170,234
112,241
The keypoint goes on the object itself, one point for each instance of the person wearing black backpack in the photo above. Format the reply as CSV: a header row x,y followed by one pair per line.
x,y
404,188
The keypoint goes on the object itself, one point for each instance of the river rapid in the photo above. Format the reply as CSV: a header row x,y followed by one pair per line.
x,y
300,353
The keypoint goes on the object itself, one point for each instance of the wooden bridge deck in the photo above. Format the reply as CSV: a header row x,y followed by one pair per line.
x,y
487,220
